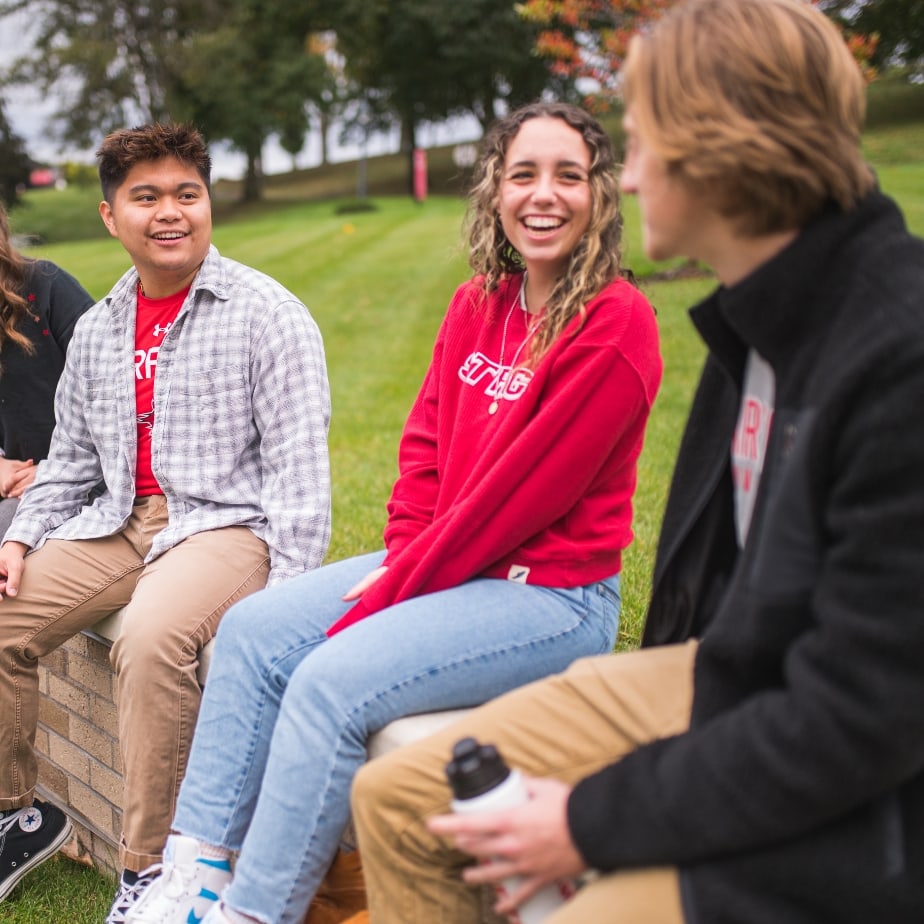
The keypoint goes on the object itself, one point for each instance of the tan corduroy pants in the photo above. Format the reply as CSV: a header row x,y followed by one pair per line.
x,y
567,726
173,606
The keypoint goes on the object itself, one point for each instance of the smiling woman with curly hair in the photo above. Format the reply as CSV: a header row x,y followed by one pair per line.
x,y
503,545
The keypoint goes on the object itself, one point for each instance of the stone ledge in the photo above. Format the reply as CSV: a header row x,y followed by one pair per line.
x,y
78,732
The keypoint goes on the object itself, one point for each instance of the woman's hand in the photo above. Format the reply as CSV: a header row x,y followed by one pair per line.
x,y
531,841
15,476
358,589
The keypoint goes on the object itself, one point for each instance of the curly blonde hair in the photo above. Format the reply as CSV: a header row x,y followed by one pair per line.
x,y
593,264
13,307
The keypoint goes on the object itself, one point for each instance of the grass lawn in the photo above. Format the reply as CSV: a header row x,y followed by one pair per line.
x,y
378,283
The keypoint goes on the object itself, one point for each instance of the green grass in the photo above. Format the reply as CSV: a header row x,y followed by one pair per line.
x,y
378,283
893,100
59,891
683,355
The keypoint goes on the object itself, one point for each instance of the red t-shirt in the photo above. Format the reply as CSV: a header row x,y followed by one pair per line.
x,y
155,317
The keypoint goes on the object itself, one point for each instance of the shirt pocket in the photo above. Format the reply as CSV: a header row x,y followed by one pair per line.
x,y
100,408
211,411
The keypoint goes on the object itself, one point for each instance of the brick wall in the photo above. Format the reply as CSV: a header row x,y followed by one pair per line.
x,y
77,741
78,747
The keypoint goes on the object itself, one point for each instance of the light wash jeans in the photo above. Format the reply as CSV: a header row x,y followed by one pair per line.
x,y
286,712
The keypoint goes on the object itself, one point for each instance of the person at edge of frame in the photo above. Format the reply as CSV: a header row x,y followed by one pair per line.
x,y
188,468
761,758
504,539
39,306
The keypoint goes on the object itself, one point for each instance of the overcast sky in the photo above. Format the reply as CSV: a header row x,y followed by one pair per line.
x,y
25,109
30,114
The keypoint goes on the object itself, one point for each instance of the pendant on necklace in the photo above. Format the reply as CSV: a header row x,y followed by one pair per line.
x,y
492,407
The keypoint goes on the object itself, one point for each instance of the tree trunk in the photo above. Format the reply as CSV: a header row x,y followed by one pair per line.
x,y
253,179
325,125
408,133
407,144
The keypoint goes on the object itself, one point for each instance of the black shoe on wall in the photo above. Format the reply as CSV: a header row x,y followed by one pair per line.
x,y
27,837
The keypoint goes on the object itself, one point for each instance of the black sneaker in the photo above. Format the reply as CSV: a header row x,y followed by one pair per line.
x,y
27,837
128,894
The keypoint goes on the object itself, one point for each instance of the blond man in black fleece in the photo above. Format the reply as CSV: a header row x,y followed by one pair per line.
x,y
761,759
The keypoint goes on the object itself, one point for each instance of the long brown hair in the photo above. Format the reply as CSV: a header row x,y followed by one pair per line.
x,y
594,263
13,307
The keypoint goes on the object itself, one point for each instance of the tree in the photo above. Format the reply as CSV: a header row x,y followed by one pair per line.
x,y
586,40
431,59
224,65
247,81
898,26
335,91
111,63
14,162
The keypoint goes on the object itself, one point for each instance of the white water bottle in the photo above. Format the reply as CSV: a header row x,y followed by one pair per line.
x,y
482,782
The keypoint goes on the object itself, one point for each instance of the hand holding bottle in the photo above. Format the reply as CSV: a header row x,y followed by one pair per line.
x,y
516,826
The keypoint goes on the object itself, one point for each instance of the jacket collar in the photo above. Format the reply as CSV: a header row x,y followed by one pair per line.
x,y
794,292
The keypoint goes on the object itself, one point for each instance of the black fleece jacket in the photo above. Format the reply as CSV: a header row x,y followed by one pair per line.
x,y
798,794
28,381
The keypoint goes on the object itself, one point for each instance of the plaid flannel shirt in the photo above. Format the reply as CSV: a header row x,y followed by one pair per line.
x,y
240,426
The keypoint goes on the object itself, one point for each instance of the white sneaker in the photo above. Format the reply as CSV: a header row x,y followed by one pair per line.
x,y
186,888
216,915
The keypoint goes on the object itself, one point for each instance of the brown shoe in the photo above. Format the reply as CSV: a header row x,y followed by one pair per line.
x,y
342,893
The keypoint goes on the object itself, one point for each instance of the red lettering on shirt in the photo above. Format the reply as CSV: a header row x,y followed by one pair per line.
x,y
155,317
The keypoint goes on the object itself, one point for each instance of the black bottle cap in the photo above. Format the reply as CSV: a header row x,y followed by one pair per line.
x,y
475,769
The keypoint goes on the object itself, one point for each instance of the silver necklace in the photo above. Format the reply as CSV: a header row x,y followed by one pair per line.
x,y
530,330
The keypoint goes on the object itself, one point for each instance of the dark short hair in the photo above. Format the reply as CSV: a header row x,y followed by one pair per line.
x,y
126,148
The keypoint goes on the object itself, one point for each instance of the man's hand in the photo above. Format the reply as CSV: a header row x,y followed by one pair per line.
x,y
11,565
357,590
531,841
15,476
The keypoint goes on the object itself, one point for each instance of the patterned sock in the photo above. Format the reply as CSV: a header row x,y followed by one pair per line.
x,y
214,853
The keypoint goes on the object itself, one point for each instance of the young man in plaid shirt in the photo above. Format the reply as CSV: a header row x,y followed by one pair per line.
x,y
188,468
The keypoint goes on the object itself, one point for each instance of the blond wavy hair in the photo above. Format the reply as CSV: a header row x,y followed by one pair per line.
x,y
13,307
593,264
756,104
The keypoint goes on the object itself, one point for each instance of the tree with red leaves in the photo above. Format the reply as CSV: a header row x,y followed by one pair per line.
x,y
586,40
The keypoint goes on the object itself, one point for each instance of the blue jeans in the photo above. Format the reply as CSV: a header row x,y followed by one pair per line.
x,y
286,711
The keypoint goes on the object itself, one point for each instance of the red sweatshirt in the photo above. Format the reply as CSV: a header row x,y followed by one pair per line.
x,y
540,491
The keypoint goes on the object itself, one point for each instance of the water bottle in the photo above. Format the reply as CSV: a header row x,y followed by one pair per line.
x,y
482,782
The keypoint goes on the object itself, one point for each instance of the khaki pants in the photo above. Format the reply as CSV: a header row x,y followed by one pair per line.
x,y
567,726
173,606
